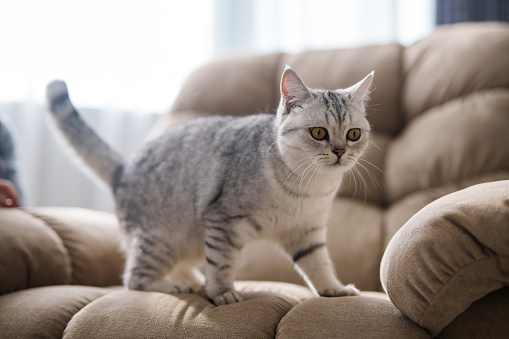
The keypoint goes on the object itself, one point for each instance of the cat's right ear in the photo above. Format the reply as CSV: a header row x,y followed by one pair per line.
x,y
293,90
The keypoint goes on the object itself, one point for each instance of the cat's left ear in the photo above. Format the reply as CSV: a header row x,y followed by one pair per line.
x,y
360,91
293,90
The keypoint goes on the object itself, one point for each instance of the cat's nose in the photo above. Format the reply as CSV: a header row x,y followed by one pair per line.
x,y
339,152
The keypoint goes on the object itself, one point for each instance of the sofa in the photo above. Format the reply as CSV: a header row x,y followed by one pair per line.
x,y
422,228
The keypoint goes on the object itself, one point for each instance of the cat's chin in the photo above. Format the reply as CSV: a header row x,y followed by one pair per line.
x,y
341,165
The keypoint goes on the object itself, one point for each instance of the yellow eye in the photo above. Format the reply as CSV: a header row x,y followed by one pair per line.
x,y
319,133
354,134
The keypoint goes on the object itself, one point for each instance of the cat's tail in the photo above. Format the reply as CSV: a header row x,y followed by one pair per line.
x,y
95,153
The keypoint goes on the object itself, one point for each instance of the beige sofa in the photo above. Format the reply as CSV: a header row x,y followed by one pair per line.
x,y
440,112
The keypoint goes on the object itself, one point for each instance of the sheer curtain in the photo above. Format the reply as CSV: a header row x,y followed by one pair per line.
x,y
125,61
265,26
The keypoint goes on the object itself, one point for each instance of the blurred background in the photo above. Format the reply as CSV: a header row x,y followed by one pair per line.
x,y
125,61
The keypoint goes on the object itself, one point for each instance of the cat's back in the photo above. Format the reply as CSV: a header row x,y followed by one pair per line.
x,y
192,161
206,139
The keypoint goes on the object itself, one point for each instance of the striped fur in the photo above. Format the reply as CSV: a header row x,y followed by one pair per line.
x,y
205,188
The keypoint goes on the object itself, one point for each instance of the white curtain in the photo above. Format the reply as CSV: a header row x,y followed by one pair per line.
x,y
50,176
120,56
265,26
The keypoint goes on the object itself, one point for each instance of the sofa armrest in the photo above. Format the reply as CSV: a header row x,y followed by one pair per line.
x,y
54,246
450,254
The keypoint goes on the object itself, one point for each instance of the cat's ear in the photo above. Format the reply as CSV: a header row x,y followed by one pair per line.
x,y
360,91
293,90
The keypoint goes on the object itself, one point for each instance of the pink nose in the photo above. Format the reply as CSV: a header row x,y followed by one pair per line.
x,y
339,152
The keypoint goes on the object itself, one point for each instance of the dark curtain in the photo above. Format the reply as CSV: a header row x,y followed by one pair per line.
x,y
452,11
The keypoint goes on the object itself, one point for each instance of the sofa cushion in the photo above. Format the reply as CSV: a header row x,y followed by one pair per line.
x,y
97,312
231,86
91,238
486,318
450,254
43,312
31,253
369,316
58,245
457,140
138,314
453,62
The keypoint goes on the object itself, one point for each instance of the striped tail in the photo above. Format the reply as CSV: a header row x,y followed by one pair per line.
x,y
95,153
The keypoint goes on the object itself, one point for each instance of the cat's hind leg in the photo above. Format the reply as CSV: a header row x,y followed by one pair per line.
x,y
222,247
147,267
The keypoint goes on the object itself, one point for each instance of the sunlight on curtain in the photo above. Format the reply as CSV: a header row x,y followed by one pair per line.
x,y
292,26
126,59
115,54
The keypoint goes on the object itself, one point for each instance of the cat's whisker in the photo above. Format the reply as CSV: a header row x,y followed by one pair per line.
x,y
366,95
376,145
311,178
352,174
381,171
304,174
366,189
356,175
320,174
374,180
370,107
268,149
303,164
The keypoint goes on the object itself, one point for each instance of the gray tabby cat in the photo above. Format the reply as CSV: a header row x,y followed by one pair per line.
x,y
205,188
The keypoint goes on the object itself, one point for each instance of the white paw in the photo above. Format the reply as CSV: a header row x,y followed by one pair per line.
x,y
227,298
345,291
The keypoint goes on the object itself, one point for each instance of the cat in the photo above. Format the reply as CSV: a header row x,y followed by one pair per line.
x,y
205,188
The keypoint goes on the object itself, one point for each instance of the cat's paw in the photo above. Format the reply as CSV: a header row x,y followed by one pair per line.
x,y
227,298
180,287
345,291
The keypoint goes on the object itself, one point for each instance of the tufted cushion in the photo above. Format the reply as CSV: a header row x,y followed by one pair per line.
x,y
470,58
31,254
450,254
44,312
93,312
50,246
368,316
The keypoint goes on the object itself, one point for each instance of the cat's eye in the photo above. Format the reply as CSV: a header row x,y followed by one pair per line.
x,y
319,133
354,134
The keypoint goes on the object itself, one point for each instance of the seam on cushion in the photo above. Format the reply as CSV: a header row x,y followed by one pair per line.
x,y
449,217
84,306
64,246
444,285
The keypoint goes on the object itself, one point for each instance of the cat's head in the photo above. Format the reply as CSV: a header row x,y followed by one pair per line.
x,y
325,128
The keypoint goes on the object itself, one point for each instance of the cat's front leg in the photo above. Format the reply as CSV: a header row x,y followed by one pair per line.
x,y
222,247
308,251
